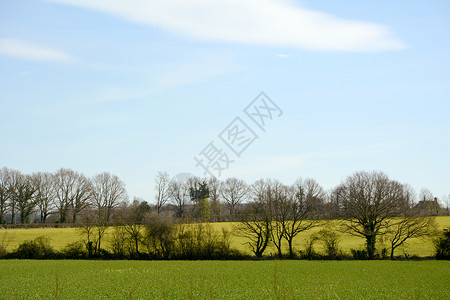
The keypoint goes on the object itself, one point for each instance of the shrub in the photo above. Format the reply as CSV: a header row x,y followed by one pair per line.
x,y
39,248
359,254
309,252
202,242
75,250
331,241
159,236
442,245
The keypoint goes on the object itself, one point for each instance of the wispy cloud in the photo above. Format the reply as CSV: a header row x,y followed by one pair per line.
x,y
284,55
265,22
31,51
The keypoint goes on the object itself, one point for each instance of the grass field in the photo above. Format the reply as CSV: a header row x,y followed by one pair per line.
x,y
60,237
66,279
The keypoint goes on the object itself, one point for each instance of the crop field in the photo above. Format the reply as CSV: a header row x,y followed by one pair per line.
x,y
60,237
66,279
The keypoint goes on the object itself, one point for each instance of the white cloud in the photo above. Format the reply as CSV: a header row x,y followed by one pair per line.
x,y
284,55
265,22
31,51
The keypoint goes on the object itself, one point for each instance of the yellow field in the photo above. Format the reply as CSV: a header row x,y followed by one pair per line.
x,y
62,236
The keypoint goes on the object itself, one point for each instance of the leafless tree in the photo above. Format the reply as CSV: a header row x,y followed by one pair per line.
x,y
64,180
131,218
278,206
107,192
302,204
314,197
179,195
82,196
256,226
162,189
234,191
23,195
73,191
214,196
256,219
368,200
5,192
409,198
159,235
94,228
45,193
409,226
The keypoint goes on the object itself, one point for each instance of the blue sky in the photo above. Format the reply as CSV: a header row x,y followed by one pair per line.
x,y
136,87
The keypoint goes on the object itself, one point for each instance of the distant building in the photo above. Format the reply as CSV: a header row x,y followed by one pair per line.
x,y
429,207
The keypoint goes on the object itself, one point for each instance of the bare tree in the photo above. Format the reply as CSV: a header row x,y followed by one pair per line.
x,y
314,197
5,192
132,218
234,191
409,226
94,229
162,189
256,226
45,193
64,180
107,192
368,200
256,219
83,193
278,207
179,195
23,195
159,235
73,191
301,204
214,195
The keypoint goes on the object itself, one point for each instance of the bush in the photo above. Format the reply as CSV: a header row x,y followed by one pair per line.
x,y
39,248
359,254
76,250
202,242
330,240
309,252
442,245
159,236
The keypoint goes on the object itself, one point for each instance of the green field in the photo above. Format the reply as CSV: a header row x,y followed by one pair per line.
x,y
60,237
66,279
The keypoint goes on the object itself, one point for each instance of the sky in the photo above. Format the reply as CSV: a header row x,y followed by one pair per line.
x,y
135,87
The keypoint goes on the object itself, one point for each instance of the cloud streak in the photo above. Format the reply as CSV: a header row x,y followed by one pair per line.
x,y
31,51
262,22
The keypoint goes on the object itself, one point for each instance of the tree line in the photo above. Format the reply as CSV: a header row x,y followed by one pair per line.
x,y
63,196
368,204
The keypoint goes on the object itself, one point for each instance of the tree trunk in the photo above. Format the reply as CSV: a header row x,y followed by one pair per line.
x,y
291,250
370,242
